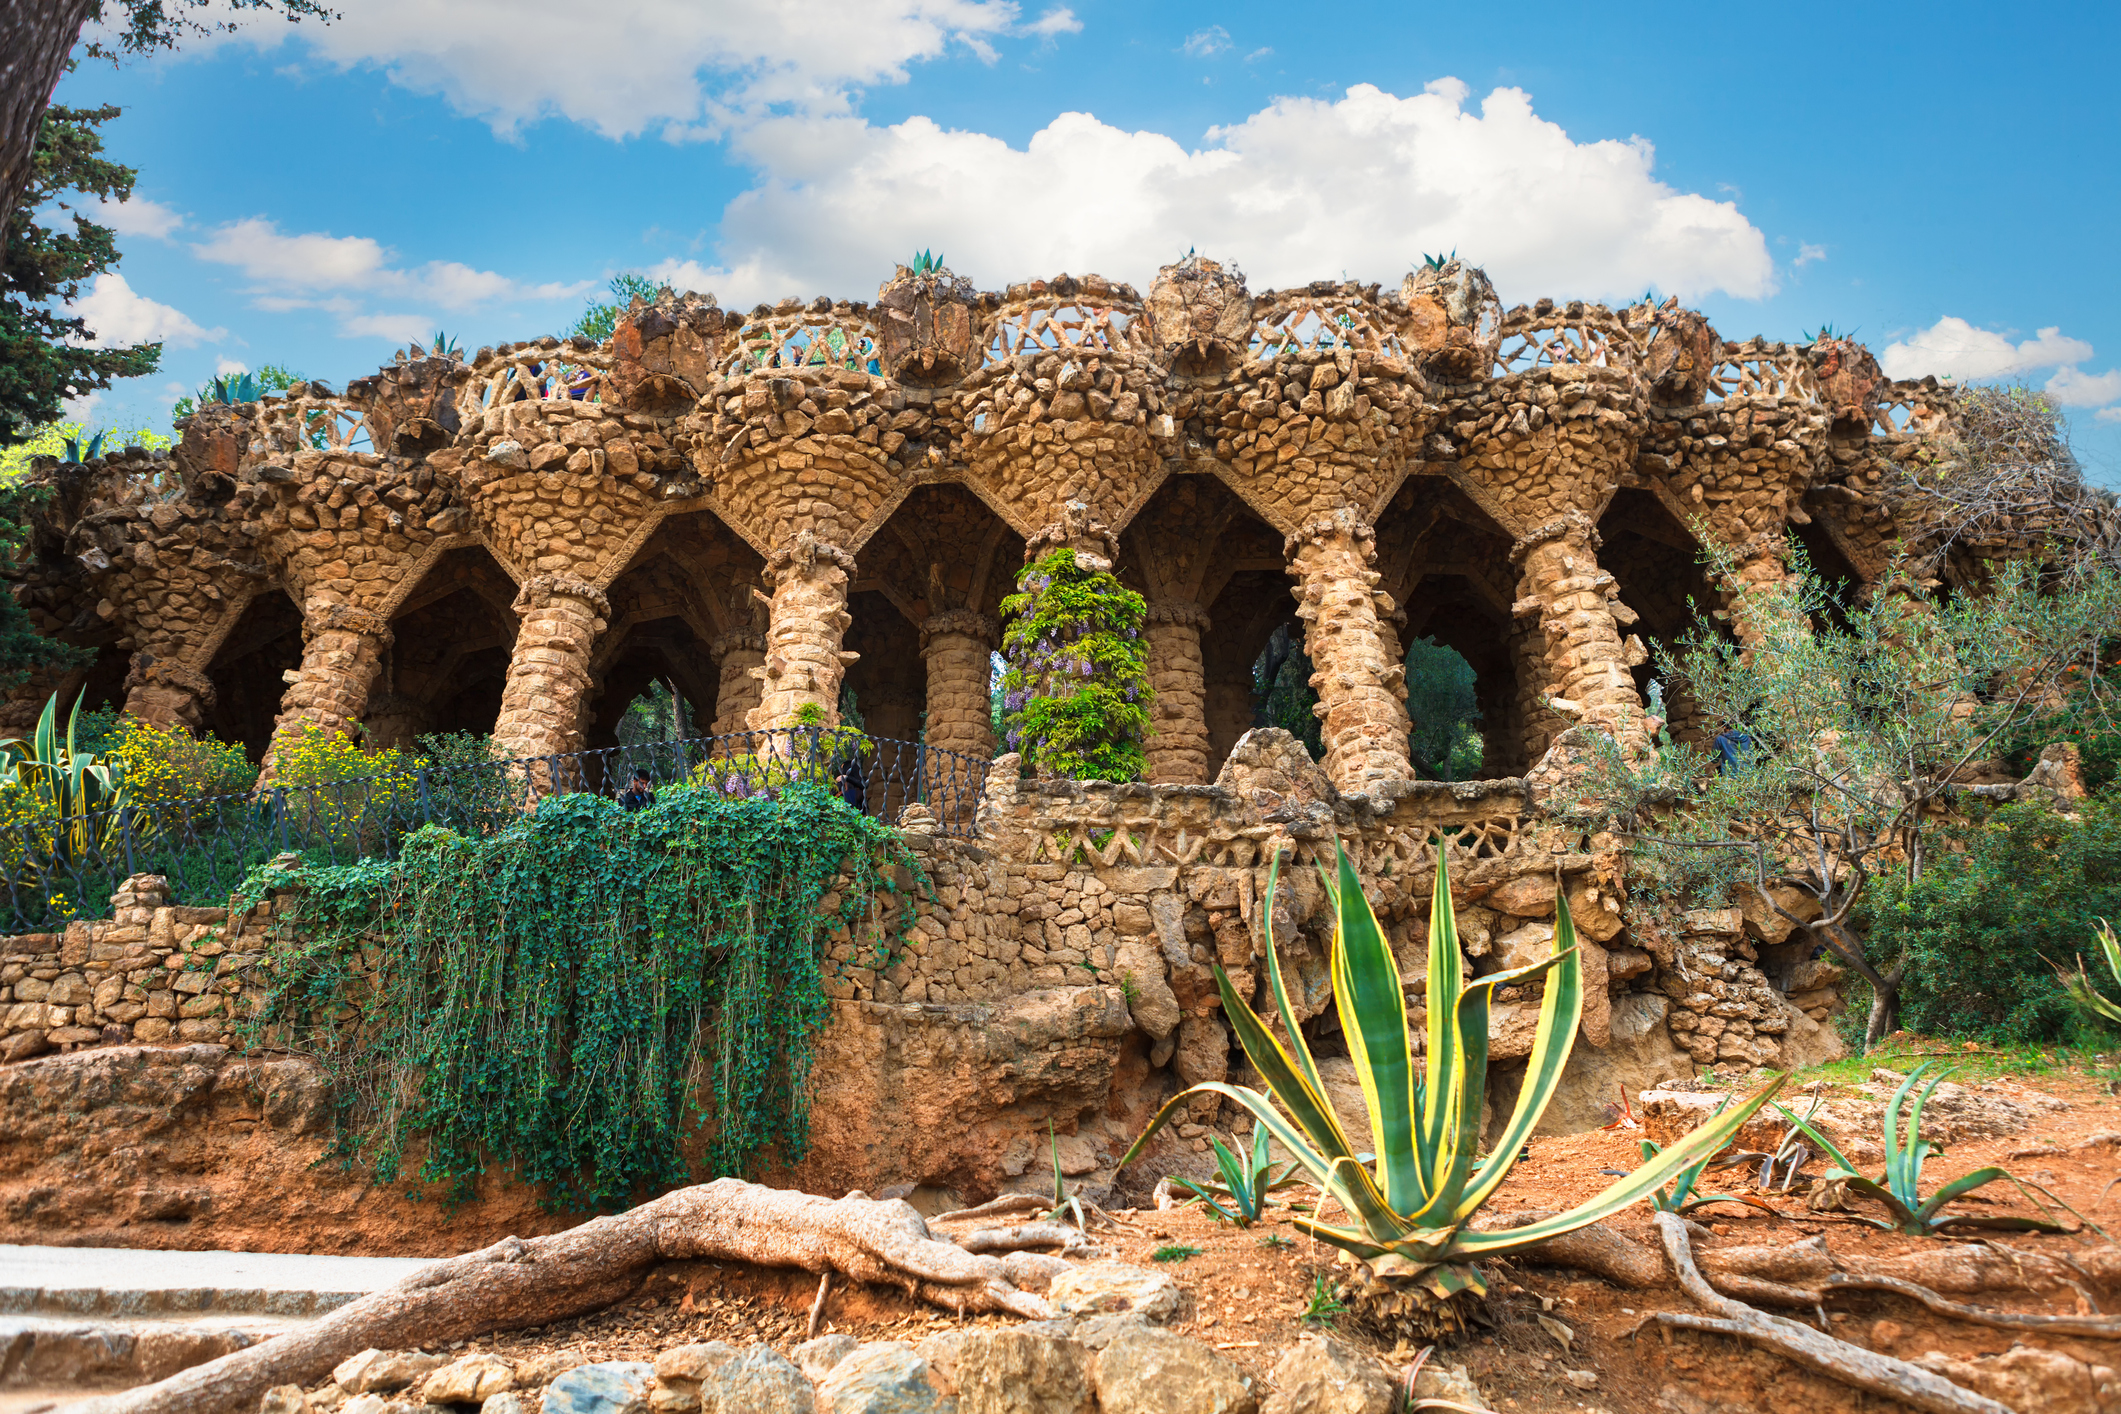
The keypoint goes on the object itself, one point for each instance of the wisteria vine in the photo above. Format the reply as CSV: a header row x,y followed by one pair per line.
x,y
1075,695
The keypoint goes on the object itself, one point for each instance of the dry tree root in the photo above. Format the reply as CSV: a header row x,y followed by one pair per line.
x,y
1851,1364
518,1282
2097,1327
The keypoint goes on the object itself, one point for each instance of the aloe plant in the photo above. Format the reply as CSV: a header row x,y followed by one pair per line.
x,y
1899,1188
1412,1204
2079,984
1247,1178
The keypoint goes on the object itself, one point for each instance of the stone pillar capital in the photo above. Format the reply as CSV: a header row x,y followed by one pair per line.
x,y
540,591
346,618
1096,548
1342,523
970,623
1179,613
1573,527
806,556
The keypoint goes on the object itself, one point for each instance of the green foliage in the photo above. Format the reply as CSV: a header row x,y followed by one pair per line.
x,y
1325,1306
2080,986
1075,695
1281,688
1899,1187
1240,1196
59,804
1174,1252
583,996
1857,719
47,355
62,440
1412,1204
602,317
1679,1196
658,714
1275,1242
1445,744
2013,889
130,28
232,388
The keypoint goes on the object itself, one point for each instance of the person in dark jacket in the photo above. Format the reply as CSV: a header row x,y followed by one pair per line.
x,y
639,793
847,779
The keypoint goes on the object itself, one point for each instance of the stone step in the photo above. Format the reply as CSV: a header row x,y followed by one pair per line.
x,y
129,1283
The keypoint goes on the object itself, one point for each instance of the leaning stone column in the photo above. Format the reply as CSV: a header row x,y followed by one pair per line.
x,y
1361,691
1760,588
1580,616
342,654
1177,748
738,656
164,691
805,627
957,645
549,682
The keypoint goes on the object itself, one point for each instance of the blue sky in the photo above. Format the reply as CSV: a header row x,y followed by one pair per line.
x,y
1940,180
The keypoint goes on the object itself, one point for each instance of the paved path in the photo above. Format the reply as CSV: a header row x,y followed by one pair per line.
x,y
122,1281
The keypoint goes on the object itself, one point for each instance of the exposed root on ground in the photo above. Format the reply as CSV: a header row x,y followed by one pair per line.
x,y
518,1282
1852,1364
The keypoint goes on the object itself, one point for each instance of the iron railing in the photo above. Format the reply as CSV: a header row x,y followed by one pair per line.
x,y
56,869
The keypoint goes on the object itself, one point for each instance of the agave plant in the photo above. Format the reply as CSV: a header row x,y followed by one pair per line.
x,y
1679,1196
66,801
1411,1206
2079,984
1899,1188
75,452
926,264
1438,262
1247,1178
230,388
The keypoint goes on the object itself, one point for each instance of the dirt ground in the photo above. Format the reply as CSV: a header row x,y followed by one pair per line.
x,y
1249,1290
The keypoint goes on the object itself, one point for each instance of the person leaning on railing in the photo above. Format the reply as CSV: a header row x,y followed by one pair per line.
x,y
639,793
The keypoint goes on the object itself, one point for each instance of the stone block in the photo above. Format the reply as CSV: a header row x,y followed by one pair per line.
x,y
1149,1371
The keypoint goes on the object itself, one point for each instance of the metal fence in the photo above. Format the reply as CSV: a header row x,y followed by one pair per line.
x,y
57,868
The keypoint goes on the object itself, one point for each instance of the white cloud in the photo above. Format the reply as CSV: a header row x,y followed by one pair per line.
x,y
1807,253
1266,52
683,67
224,366
1207,43
316,270
2073,389
398,328
134,217
2108,414
1055,22
118,316
1300,190
1953,348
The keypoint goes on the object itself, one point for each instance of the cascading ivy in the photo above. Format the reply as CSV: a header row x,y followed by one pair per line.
x,y
591,992
1075,695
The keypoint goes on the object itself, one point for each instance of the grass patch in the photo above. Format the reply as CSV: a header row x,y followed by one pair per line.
x,y
1175,1252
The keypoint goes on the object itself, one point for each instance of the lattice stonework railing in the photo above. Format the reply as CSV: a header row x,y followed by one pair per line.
x,y
1405,851
535,374
1907,410
1579,343
1325,323
1063,327
806,340
1772,371
293,424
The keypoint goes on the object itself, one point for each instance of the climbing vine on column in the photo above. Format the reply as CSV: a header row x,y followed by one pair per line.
x,y
1075,696
589,994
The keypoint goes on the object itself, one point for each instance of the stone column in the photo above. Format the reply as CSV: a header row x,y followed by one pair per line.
x,y
162,690
1361,691
548,687
806,624
1229,715
738,656
1177,747
1759,588
1580,617
958,646
342,654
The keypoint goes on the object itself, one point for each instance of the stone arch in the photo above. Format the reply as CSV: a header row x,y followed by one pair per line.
x,y
925,604
685,612
1192,541
451,637
1656,561
1445,560
250,668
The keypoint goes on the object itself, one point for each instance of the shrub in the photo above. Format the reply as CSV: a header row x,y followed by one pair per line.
x,y
1981,923
167,768
1076,694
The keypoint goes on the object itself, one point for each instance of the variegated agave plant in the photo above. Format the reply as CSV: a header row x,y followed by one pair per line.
x,y
1411,1205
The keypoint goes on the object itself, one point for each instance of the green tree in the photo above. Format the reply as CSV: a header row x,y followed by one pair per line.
x,y
1848,730
1076,693
45,354
1441,703
601,318
1282,693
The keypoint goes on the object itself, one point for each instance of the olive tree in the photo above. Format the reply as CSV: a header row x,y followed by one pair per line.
x,y
1844,727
